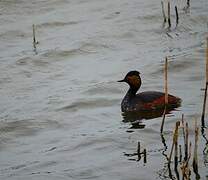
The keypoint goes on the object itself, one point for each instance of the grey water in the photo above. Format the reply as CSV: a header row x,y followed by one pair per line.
x,y
60,106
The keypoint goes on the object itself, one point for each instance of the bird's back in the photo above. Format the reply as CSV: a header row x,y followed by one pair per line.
x,y
149,100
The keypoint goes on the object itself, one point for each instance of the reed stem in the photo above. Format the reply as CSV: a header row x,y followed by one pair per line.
x,y
185,166
166,93
138,151
176,150
163,12
186,142
195,158
166,81
205,92
145,156
188,3
180,153
207,60
175,140
169,21
183,126
177,17
34,39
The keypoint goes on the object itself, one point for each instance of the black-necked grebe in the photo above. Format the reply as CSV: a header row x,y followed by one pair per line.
x,y
144,101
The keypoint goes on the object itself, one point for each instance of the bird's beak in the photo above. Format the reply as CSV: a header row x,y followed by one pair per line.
x,y
123,80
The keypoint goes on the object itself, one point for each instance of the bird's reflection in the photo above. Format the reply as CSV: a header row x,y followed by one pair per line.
x,y
136,118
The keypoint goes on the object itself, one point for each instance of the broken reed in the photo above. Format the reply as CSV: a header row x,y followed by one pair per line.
x,y
34,39
163,12
35,42
177,17
195,157
186,142
145,155
139,153
166,93
177,149
169,22
183,126
204,106
188,3
207,60
186,172
168,15
174,144
187,7
206,84
175,141
180,153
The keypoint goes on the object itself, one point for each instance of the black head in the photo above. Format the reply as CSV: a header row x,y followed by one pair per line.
x,y
133,79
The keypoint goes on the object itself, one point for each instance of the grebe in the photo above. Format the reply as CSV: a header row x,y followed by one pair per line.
x,y
144,101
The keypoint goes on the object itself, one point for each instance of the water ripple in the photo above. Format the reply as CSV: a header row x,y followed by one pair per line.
x,y
84,104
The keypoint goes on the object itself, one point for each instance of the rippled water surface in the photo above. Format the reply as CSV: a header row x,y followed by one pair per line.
x,y
60,106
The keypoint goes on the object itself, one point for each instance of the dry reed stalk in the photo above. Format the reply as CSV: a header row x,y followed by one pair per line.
x,y
177,17
175,140
163,12
138,151
166,93
163,120
171,152
204,106
180,153
176,150
34,39
207,61
145,156
169,22
185,166
186,142
188,3
205,92
195,158
184,130
166,81
189,156
187,7
183,126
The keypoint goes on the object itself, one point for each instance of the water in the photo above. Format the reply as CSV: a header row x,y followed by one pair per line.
x,y
60,108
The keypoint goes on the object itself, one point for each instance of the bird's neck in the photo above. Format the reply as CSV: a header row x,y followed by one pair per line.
x,y
132,91
134,86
